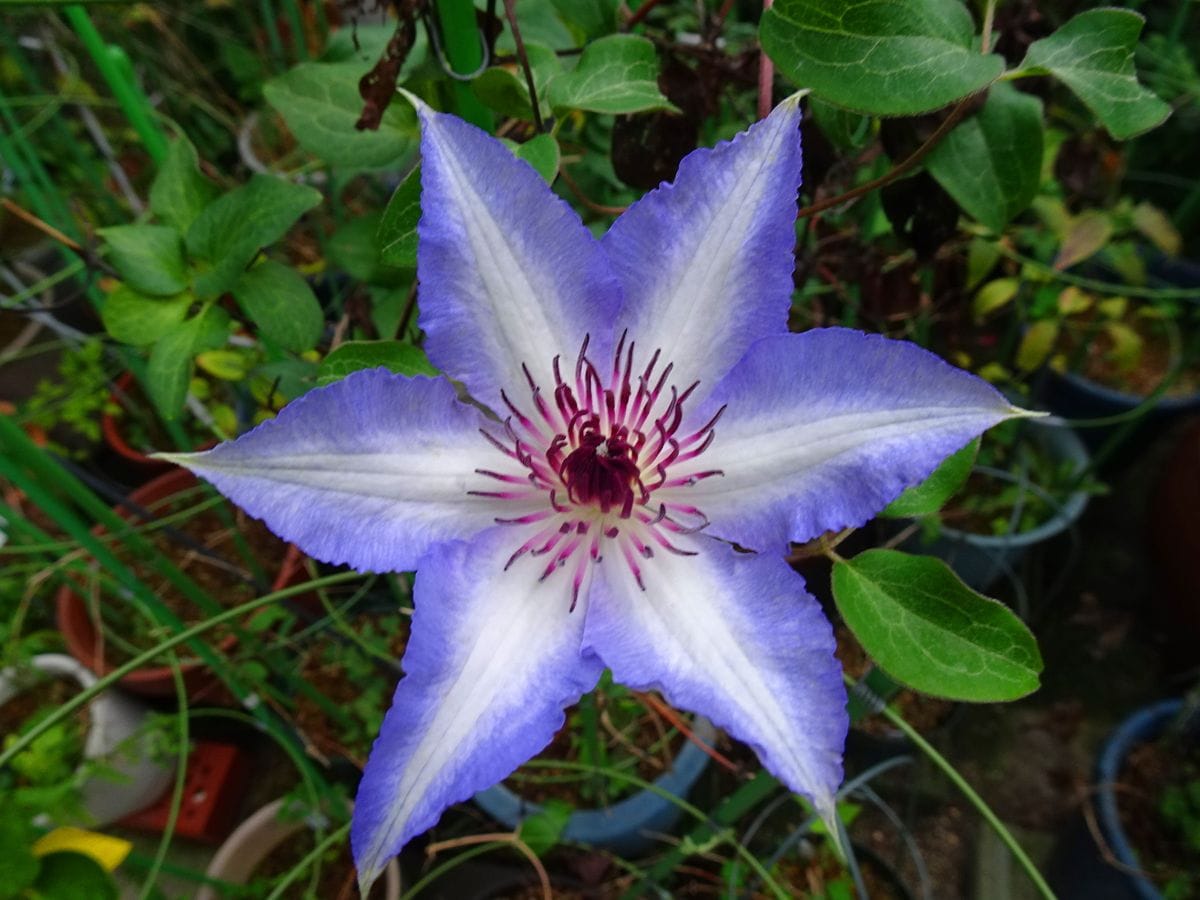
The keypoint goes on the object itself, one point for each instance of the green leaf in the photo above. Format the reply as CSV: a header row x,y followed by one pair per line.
x,y
1092,54
354,249
134,318
283,306
541,831
616,74
1036,344
401,358
590,18
995,295
928,496
931,632
320,104
991,163
228,365
397,237
67,875
18,865
542,153
180,191
232,229
1154,224
847,130
1086,235
505,90
171,360
982,256
148,257
882,58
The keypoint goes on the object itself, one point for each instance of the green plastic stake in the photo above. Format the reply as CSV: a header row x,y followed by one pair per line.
x,y
463,48
117,71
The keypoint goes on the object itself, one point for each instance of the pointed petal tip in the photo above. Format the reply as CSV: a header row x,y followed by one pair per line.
x,y
1019,412
417,103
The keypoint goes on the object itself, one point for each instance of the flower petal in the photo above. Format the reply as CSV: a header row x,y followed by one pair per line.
x,y
823,429
735,637
368,471
509,275
493,661
706,262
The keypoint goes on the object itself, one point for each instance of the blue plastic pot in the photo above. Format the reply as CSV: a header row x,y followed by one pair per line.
x,y
981,560
1144,725
630,827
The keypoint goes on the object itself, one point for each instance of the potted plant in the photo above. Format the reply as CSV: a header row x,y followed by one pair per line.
x,y
205,545
95,767
1029,484
607,812
1148,799
274,840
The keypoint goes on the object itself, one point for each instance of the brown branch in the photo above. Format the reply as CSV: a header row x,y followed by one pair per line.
x,y
585,200
900,168
640,14
500,837
677,722
510,13
41,225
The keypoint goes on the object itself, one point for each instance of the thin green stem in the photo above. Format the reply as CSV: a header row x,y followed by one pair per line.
x,y
1103,287
313,856
969,792
160,855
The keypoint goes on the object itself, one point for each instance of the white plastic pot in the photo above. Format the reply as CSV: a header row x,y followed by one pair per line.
x,y
251,842
132,780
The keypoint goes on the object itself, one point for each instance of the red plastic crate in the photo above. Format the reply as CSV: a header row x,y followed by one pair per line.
x,y
213,788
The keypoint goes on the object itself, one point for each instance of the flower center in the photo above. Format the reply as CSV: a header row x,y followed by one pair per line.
x,y
600,461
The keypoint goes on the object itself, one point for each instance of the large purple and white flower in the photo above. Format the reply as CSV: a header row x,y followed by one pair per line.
x,y
643,440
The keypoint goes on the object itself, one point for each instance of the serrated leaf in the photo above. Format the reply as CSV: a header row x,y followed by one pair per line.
x,y
320,104
401,358
616,74
1086,235
995,295
180,191
1036,344
283,306
397,236
134,318
881,58
149,258
541,831
232,229
991,162
931,632
1092,54
541,152
928,497
1158,229
169,369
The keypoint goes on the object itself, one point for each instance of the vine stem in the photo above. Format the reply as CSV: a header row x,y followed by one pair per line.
x,y
503,837
766,76
900,168
989,15
969,792
175,640
510,12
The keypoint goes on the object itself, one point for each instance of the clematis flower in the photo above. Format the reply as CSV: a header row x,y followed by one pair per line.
x,y
642,440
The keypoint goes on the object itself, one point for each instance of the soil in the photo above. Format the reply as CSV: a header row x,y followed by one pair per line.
x,y
813,878
336,879
223,576
1153,363
537,785
1150,771
330,678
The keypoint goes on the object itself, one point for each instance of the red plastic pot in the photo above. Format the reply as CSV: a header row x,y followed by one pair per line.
x,y
84,641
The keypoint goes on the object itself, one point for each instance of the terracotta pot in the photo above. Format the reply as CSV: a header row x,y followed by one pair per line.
x,y
114,435
83,639
253,841
132,779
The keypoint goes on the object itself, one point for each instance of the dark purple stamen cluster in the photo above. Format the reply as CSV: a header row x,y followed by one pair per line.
x,y
593,455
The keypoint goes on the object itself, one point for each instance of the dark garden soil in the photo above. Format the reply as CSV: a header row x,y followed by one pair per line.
x,y
203,547
1152,365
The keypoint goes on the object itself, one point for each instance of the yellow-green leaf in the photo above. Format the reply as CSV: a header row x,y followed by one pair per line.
x,y
1036,344
995,295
